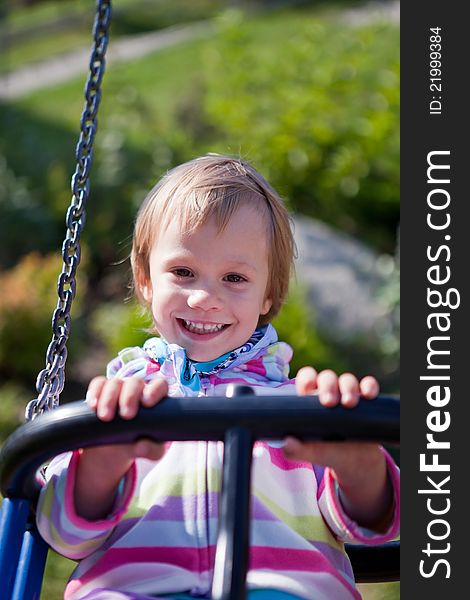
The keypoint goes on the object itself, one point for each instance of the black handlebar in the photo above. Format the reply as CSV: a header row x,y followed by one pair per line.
x,y
189,418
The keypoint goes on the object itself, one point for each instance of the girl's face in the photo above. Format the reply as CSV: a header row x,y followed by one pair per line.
x,y
207,289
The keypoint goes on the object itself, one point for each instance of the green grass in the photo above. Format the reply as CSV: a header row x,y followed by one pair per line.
x,y
20,18
157,82
56,574
36,50
50,29
158,78
380,591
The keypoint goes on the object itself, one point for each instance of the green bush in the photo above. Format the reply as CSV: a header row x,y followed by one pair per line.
x,y
13,400
119,326
26,304
294,325
24,225
316,105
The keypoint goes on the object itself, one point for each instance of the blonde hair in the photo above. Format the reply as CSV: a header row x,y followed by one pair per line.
x,y
215,186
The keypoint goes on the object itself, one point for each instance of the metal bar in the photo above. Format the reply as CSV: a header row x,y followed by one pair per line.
x,y
231,559
375,564
13,516
31,563
179,419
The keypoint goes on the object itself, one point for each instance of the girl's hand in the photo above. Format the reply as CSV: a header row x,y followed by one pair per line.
x,y
359,468
124,396
101,468
333,390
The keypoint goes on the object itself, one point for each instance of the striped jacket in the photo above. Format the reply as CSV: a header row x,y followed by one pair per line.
x,y
160,537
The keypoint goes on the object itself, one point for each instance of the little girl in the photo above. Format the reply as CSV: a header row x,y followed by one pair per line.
x,y
211,258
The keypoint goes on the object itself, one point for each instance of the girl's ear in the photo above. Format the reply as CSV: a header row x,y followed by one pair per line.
x,y
143,285
266,306
146,291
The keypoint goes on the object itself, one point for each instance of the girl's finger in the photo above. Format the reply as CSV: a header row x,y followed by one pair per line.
x,y
328,389
154,391
306,381
369,387
129,398
349,389
94,390
108,399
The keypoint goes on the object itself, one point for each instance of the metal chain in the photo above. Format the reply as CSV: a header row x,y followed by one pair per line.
x,y
50,381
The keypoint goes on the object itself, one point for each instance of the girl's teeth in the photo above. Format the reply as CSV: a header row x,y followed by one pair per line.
x,y
202,327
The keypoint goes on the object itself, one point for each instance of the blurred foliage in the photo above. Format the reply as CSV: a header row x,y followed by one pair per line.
x,y
24,225
318,109
388,328
32,32
295,325
13,399
119,326
26,304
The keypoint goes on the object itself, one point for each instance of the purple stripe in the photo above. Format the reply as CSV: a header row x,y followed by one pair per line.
x,y
109,594
336,557
120,531
319,472
185,508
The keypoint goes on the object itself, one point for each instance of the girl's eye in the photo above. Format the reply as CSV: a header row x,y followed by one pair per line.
x,y
234,278
182,272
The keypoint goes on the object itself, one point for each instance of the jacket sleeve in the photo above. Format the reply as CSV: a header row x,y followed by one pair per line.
x,y
342,525
59,524
57,521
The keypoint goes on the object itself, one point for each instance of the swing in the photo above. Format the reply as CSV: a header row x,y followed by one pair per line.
x,y
50,432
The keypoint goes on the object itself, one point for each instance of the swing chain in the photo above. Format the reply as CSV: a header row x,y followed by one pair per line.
x,y
50,381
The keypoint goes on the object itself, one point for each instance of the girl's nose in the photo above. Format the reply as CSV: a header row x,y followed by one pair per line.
x,y
204,299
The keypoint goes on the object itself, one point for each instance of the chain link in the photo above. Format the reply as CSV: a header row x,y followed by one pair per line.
x,y
50,381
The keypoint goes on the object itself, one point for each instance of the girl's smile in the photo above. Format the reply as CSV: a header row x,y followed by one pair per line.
x,y
198,328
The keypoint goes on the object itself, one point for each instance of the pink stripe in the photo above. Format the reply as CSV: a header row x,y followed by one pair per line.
x,y
295,560
256,366
321,487
279,460
226,380
266,557
275,559
192,559
394,474
353,529
152,367
198,560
